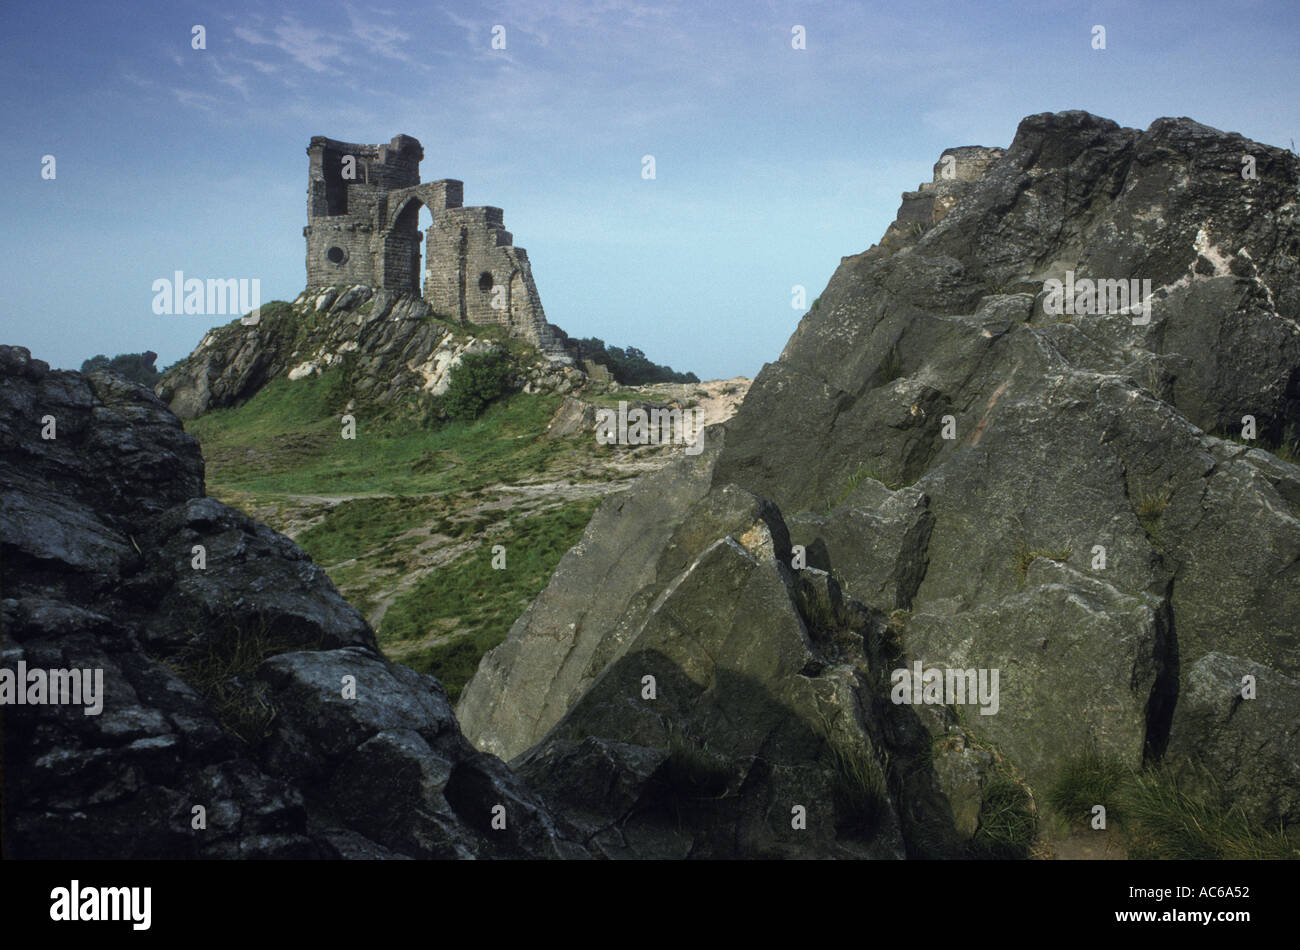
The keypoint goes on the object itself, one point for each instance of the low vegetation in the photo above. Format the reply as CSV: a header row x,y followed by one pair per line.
x,y
405,517
856,478
1286,446
221,666
691,770
1149,506
859,783
1008,826
289,440
476,381
630,367
1158,816
477,601
1008,818
138,367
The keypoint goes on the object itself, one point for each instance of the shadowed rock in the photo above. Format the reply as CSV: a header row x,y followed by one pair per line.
x,y
1060,504
228,726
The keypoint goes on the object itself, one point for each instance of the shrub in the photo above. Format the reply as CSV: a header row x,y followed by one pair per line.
x,y
138,367
629,367
477,380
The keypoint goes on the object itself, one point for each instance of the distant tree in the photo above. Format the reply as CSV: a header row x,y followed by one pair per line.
x,y
592,349
630,367
134,366
476,380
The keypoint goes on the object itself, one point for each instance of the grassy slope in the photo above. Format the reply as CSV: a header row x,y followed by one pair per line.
x,y
288,440
399,498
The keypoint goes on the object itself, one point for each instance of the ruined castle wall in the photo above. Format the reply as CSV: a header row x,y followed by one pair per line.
x,y
347,205
341,248
365,230
477,275
445,244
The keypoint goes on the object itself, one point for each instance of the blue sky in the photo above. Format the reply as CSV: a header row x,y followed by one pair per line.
x,y
771,162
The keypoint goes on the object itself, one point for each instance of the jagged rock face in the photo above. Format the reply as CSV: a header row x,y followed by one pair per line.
x,y
1251,745
1071,434
1058,511
711,756
225,657
390,348
953,173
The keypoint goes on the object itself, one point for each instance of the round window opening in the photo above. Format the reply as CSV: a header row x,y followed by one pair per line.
x,y
336,255
485,281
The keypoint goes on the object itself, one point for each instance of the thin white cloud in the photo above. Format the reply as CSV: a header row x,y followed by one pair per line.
x,y
310,47
231,78
264,68
379,39
191,98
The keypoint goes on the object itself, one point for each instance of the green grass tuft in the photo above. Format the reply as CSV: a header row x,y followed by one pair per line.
x,y
1166,821
691,770
859,790
1025,555
859,474
691,781
1287,447
220,667
1149,507
859,786
1088,780
1007,825
1158,816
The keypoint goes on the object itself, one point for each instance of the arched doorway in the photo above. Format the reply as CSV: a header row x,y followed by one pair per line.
x,y
404,260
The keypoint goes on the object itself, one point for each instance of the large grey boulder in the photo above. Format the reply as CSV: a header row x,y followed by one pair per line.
x,y
1236,735
994,483
566,636
719,724
392,764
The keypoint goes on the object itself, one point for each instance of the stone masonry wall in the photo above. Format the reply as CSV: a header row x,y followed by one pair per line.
x,y
365,230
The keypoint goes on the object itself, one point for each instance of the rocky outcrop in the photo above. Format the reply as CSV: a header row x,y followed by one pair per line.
x,y
699,686
1236,725
956,169
244,707
389,348
996,482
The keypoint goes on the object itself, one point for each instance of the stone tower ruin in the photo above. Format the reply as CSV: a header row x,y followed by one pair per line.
x,y
363,206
